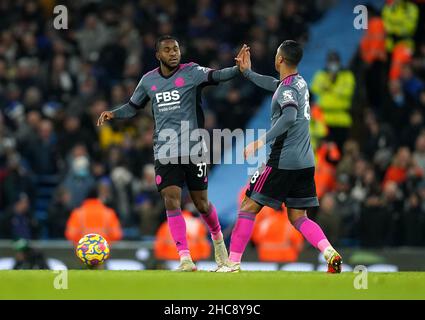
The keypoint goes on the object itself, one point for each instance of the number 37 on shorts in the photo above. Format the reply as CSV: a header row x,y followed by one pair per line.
x,y
194,175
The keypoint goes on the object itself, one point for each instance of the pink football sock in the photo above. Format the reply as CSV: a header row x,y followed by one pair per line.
x,y
177,227
241,234
211,219
312,232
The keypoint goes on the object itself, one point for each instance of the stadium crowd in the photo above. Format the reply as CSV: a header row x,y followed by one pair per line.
x,y
55,83
372,182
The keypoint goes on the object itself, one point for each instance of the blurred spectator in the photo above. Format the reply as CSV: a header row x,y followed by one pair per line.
x,y
15,181
149,205
118,95
318,127
148,53
260,53
414,128
295,25
419,152
106,192
366,186
396,107
28,258
19,221
58,213
413,220
379,144
397,171
400,21
401,56
373,53
328,218
87,88
412,85
422,99
334,89
380,217
41,151
92,37
351,154
73,133
347,208
392,209
114,134
372,220
60,83
327,156
121,178
418,61
79,180
93,217
28,129
275,238
372,45
28,76
141,153
99,171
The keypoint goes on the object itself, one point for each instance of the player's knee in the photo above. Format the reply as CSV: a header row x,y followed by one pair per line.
x,y
249,205
295,214
171,201
202,205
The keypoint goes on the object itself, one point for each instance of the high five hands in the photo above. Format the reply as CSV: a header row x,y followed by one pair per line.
x,y
243,59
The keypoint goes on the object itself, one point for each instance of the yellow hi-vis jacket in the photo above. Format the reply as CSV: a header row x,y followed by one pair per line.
x,y
400,22
334,98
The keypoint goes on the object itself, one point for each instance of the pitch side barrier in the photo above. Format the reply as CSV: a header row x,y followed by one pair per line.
x,y
139,255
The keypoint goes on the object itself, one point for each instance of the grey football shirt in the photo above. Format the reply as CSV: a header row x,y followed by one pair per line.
x,y
292,149
176,108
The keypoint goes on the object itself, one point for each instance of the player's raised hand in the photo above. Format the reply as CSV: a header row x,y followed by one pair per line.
x,y
240,57
241,51
247,60
244,60
105,116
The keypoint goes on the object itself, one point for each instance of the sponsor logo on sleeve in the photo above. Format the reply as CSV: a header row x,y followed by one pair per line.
x,y
205,70
288,96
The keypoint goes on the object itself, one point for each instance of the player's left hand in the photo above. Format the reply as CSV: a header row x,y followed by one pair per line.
x,y
241,54
252,147
244,61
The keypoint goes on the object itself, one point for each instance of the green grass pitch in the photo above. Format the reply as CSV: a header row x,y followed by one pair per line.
x,y
167,285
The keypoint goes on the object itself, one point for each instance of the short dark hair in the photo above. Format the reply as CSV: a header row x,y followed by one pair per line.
x,y
292,52
163,38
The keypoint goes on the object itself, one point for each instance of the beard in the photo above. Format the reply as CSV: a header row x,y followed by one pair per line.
x,y
170,67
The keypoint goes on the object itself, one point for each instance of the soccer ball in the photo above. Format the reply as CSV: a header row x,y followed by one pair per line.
x,y
92,249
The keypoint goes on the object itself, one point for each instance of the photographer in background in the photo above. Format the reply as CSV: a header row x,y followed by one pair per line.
x,y
28,258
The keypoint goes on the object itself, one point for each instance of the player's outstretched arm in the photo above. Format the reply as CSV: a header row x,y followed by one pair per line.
x,y
225,74
285,121
228,73
124,112
265,82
